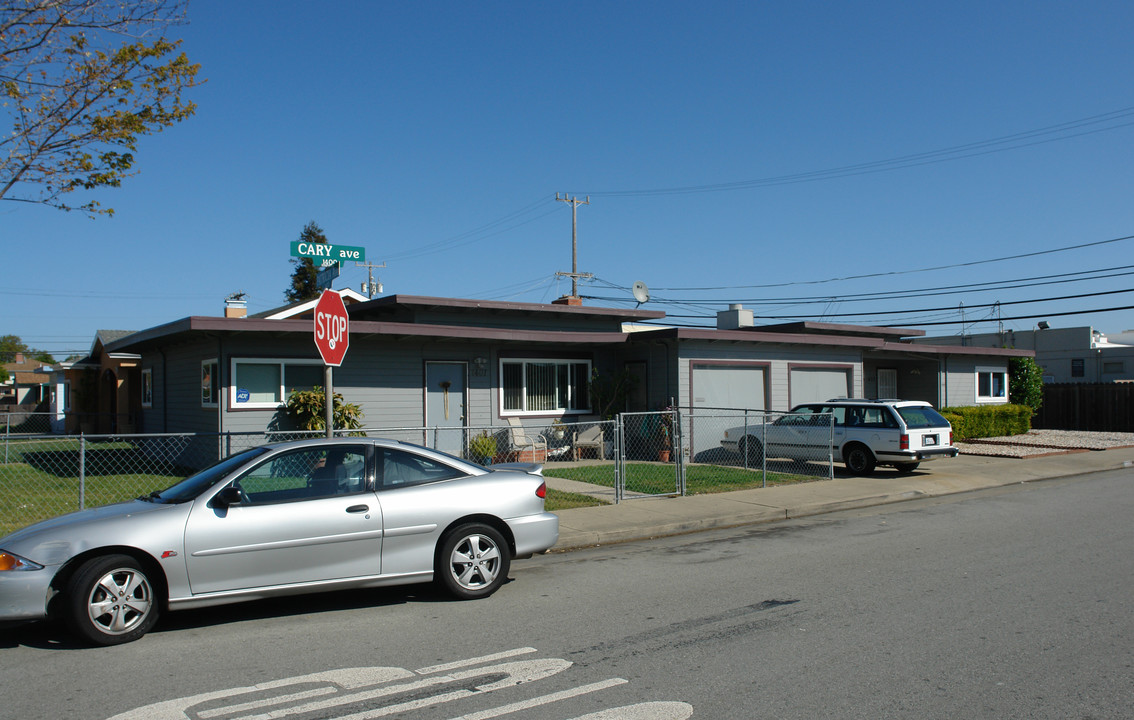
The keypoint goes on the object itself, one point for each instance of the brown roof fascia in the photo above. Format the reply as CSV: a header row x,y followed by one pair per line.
x,y
425,301
922,349
204,324
808,326
752,336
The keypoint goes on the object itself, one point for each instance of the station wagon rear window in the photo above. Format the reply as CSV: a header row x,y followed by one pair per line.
x,y
920,416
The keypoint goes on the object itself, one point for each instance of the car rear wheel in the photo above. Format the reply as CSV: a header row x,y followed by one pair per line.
x,y
751,450
906,467
859,460
472,561
110,601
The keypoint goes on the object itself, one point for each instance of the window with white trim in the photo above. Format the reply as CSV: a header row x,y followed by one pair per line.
x,y
148,388
210,383
992,385
264,383
544,386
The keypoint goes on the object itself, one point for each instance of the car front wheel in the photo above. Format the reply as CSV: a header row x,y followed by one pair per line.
x,y
472,561
859,460
110,601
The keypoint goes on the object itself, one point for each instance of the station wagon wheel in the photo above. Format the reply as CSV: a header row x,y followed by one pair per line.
x,y
906,467
858,459
751,450
472,561
110,601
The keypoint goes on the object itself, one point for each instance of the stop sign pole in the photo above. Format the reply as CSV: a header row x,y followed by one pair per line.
x,y
332,338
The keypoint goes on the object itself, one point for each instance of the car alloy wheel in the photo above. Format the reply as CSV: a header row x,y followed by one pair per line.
x,y
111,601
472,561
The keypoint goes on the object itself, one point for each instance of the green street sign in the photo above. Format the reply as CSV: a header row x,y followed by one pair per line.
x,y
327,252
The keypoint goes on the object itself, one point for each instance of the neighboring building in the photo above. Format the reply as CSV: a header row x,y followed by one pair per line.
x,y
1067,355
27,385
426,361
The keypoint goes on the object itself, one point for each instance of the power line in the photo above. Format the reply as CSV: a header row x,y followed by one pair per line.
x,y
904,272
1027,138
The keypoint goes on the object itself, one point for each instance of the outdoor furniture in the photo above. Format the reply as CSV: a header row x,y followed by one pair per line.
x,y
528,446
590,439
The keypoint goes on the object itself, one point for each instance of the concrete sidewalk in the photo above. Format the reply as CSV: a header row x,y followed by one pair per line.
x,y
654,517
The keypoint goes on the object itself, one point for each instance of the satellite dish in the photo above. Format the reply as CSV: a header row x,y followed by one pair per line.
x,y
641,292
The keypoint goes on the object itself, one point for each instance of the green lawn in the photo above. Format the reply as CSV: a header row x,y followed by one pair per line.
x,y
658,479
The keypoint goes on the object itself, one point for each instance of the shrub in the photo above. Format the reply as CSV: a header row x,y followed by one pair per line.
x,y
1025,383
988,420
307,409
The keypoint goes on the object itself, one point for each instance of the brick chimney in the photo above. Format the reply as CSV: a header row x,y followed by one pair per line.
x,y
568,300
235,306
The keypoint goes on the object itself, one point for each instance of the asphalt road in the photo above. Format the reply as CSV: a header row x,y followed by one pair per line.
x,y
1015,602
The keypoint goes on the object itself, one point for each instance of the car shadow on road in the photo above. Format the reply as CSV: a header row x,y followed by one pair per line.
x,y
53,634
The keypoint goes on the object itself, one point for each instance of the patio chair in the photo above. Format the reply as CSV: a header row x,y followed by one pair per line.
x,y
590,439
532,447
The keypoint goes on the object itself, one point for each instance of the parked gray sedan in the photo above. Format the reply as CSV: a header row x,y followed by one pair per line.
x,y
279,519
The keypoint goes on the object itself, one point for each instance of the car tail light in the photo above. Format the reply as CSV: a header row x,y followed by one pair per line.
x,y
904,442
541,491
950,437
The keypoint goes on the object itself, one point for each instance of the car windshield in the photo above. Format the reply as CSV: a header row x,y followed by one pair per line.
x,y
921,416
194,485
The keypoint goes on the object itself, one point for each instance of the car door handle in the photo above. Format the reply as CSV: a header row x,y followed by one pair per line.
x,y
358,509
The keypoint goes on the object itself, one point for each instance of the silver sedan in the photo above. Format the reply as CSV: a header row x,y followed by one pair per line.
x,y
280,519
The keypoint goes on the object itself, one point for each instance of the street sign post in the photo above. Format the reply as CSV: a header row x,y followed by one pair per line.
x,y
332,338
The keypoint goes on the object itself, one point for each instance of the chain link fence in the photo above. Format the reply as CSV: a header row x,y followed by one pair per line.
x,y
637,455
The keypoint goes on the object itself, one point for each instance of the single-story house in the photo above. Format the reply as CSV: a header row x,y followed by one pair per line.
x,y
418,361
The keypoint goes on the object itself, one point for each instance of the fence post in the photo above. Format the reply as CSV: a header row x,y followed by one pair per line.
x,y
679,450
82,471
764,450
619,460
7,434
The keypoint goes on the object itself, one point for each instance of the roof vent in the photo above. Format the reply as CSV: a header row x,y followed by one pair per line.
x,y
735,318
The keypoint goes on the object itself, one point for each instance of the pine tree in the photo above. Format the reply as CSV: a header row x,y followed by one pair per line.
x,y
303,285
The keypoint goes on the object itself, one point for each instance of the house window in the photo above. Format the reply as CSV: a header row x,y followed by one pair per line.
x,y
147,388
992,385
267,383
1113,367
210,379
545,386
1077,367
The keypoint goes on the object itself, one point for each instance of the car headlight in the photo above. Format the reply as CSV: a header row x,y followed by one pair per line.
x,y
11,561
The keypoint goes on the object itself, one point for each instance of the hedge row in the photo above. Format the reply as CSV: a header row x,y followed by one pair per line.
x,y
988,420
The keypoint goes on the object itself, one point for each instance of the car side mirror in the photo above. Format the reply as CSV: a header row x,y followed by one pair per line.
x,y
229,496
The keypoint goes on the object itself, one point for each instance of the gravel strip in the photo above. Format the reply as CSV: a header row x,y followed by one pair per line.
x,y
1046,442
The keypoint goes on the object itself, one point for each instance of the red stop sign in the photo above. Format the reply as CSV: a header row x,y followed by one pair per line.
x,y
331,328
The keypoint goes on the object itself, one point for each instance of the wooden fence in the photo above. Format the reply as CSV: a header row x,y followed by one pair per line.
x,y
1087,406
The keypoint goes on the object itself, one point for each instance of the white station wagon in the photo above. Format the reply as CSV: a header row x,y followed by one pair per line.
x,y
861,433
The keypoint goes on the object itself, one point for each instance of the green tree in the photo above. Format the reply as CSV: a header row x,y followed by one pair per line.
x,y
12,344
81,81
303,286
1025,383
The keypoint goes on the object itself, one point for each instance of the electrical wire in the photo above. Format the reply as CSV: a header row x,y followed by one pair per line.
x,y
1027,138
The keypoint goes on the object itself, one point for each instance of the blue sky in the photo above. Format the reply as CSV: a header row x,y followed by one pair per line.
x,y
436,135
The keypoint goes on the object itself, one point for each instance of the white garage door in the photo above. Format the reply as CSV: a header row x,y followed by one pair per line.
x,y
819,384
728,386
721,386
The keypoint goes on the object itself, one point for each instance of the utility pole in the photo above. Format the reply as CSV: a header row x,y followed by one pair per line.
x,y
574,274
370,288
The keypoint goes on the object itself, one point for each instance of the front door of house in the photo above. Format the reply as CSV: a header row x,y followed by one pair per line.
x,y
445,400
